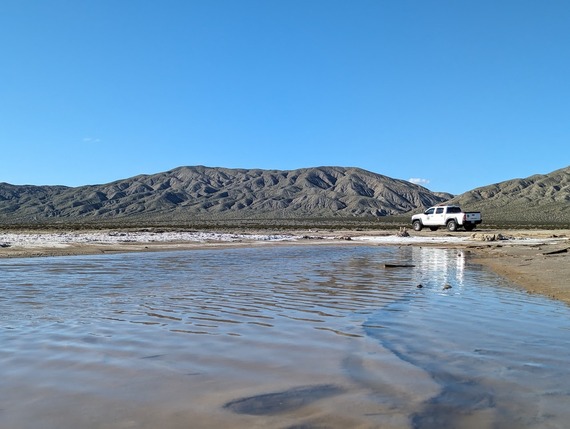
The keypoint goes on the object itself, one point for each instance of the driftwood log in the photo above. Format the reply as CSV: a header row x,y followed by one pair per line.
x,y
556,252
399,265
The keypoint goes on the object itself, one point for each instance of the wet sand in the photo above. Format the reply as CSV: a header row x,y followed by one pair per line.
x,y
541,268
536,260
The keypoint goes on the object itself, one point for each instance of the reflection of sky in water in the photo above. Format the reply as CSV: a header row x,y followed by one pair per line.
x,y
273,320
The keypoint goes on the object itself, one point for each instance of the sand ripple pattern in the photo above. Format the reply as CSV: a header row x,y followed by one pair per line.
x,y
200,292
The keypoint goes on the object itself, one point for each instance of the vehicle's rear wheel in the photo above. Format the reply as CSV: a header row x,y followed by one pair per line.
x,y
452,225
417,225
469,227
434,228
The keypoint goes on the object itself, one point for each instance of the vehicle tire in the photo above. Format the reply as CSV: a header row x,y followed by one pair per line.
x,y
434,228
469,227
452,225
417,225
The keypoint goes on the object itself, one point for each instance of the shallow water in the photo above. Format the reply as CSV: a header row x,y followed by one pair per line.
x,y
285,337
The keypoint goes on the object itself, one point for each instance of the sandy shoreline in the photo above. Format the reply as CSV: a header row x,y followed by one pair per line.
x,y
536,260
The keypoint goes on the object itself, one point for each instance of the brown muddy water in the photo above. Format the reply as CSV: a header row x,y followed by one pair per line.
x,y
280,337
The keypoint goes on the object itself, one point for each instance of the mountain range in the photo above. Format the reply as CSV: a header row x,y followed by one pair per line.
x,y
187,193
538,199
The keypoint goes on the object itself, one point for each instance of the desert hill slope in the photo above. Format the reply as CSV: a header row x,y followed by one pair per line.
x,y
219,193
542,198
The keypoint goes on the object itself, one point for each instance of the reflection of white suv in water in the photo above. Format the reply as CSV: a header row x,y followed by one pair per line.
x,y
452,217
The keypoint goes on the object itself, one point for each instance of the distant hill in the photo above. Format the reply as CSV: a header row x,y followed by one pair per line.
x,y
538,199
186,194
219,193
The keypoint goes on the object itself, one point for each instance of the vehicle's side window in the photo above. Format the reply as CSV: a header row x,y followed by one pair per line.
x,y
439,210
453,210
429,211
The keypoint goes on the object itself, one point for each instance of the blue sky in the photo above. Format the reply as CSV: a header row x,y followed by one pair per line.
x,y
455,94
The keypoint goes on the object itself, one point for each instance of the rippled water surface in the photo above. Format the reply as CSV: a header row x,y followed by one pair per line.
x,y
284,337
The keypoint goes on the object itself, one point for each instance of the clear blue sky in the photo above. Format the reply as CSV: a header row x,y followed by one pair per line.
x,y
459,94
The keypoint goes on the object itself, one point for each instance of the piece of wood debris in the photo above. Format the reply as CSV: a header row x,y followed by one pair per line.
x,y
556,252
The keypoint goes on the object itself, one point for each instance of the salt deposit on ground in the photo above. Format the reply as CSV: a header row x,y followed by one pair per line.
x,y
395,239
67,238
473,239
64,239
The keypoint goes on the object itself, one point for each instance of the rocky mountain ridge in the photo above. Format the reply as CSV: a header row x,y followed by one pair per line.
x,y
537,199
187,193
199,192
